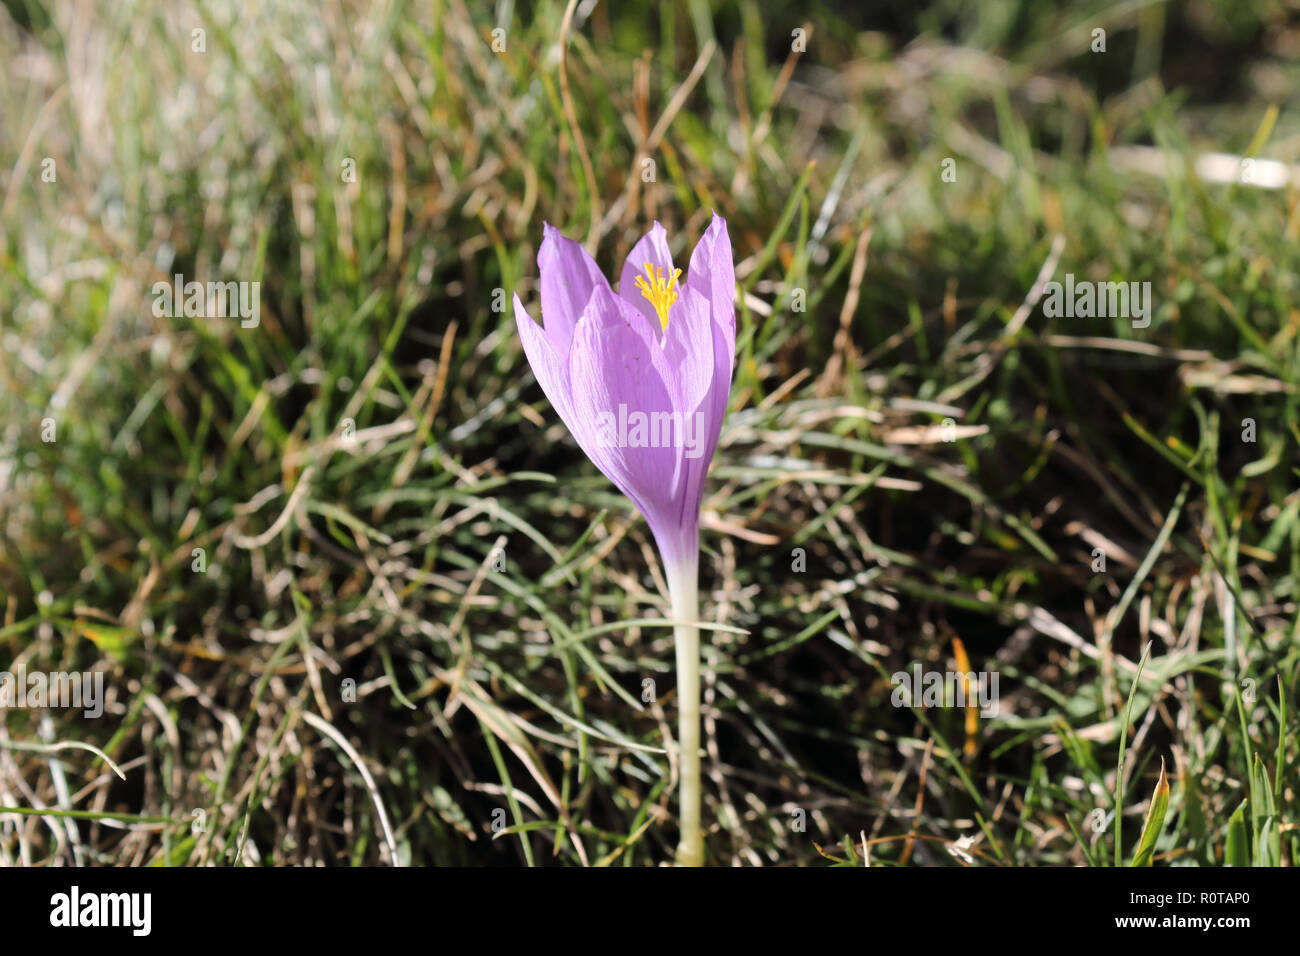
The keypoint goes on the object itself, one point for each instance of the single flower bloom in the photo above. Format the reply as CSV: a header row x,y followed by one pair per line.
x,y
641,377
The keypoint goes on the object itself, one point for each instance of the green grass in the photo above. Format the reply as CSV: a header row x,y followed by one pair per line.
x,y
358,467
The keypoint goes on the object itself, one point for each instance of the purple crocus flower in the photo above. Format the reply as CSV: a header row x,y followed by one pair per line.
x,y
641,378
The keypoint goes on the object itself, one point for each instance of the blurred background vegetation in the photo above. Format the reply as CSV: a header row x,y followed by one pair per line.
x,y
369,487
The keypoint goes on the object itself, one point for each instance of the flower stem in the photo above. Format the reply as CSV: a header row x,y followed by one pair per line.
x,y
683,588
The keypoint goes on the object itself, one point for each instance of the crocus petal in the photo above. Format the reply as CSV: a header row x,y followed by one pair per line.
x,y
690,343
616,373
715,404
568,277
713,274
688,347
651,248
550,368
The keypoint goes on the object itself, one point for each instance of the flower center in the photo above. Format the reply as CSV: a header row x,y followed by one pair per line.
x,y
660,293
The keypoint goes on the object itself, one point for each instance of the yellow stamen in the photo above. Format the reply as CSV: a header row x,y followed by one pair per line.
x,y
660,293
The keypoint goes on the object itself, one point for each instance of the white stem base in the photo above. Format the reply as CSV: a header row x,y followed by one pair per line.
x,y
683,587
